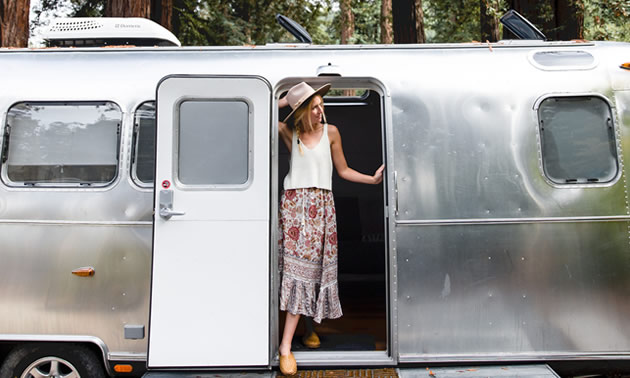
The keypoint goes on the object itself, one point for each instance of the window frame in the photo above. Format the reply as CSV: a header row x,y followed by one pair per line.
x,y
4,150
134,148
616,136
531,57
176,140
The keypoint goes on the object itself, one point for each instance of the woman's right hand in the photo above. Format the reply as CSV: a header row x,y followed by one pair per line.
x,y
378,175
283,102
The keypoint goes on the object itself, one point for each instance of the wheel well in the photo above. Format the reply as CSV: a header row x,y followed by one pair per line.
x,y
7,346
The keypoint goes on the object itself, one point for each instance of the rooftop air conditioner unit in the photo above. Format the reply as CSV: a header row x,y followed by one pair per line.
x,y
107,31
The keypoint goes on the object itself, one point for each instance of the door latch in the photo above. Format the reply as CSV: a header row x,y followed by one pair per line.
x,y
166,205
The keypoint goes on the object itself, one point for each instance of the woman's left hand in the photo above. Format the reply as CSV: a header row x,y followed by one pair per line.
x,y
378,175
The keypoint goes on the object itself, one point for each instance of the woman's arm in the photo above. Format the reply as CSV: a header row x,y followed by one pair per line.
x,y
286,134
283,129
339,160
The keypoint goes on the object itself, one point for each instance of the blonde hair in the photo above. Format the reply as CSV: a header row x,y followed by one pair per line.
x,y
302,118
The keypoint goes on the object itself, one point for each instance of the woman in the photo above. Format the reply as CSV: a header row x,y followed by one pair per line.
x,y
308,248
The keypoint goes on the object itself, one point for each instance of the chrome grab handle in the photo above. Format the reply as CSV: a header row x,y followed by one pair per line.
x,y
395,193
166,205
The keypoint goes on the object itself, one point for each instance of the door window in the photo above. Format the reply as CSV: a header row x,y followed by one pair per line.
x,y
214,148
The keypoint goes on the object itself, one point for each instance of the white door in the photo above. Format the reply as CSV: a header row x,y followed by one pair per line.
x,y
210,278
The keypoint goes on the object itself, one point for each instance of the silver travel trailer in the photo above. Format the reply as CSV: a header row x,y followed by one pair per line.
x,y
139,194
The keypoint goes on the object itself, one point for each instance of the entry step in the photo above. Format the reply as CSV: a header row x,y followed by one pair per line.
x,y
339,373
506,371
342,373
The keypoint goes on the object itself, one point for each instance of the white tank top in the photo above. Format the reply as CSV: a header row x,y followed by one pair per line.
x,y
314,168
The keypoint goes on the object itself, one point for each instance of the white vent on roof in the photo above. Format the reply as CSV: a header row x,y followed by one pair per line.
x,y
70,25
92,32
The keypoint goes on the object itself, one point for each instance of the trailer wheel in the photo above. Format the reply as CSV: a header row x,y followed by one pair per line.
x,y
51,360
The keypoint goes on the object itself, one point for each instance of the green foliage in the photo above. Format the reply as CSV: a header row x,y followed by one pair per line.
x,y
367,29
88,8
241,22
451,20
607,20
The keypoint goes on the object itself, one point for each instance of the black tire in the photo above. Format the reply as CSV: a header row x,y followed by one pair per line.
x,y
67,360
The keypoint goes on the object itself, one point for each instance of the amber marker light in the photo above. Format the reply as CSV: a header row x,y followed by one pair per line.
x,y
625,66
86,271
123,368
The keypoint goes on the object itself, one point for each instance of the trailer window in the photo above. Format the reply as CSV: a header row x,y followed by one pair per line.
x,y
144,144
62,143
578,140
213,143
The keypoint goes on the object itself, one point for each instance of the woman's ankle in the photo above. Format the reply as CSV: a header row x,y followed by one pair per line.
x,y
284,350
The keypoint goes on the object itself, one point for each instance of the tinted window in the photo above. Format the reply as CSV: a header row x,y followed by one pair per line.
x,y
69,143
578,140
213,143
144,143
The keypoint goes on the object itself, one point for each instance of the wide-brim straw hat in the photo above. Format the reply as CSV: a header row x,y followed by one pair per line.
x,y
301,94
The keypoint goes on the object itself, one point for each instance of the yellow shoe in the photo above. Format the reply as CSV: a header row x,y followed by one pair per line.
x,y
288,366
312,341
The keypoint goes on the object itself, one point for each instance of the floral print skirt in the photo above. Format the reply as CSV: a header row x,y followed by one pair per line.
x,y
308,254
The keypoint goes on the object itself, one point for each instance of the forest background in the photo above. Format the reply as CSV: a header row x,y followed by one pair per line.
x,y
249,22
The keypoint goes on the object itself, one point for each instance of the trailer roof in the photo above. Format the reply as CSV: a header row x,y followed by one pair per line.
x,y
304,46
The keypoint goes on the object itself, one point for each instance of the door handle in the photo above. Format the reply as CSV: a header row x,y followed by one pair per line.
x,y
168,213
166,205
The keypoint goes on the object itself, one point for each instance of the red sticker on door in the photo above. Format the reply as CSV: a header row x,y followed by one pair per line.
x,y
166,184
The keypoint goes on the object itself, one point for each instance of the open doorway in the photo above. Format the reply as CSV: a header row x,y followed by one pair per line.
x,y
361,228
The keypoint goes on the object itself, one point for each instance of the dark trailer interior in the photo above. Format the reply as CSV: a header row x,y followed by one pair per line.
x,y
361,227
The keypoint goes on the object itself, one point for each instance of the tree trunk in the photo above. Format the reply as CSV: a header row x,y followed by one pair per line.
x,y
14,23
419,15
128,8
162,13
570,19
347,21
489,22
387,33
408,21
